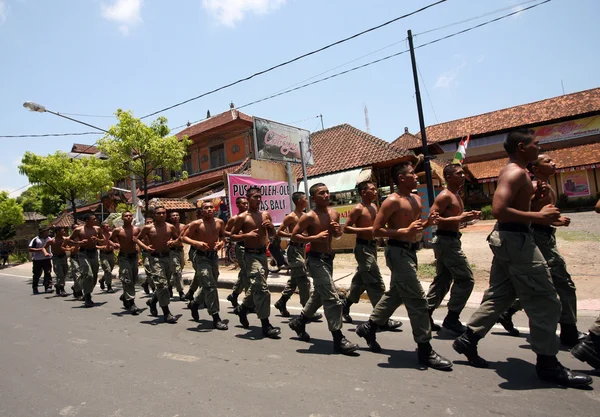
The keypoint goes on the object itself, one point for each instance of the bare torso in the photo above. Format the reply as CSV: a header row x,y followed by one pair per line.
x,y
125,237
253,221
321,221
454,208
159,235
56,246
208,231
406,209
521,196
365,219
88,236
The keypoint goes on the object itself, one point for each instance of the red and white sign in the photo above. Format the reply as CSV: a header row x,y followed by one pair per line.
x,y
275,195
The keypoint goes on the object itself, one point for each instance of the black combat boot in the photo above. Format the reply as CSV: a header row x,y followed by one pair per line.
x,y
169,318
390,325
194,310
189,296
88,300
101,281
434,327
145,287
61,291
109,289
428,357
570,336
505,320
368,331
242,313
181,296
170,288
232,298
218,323
588,351
281,306
298,324
343,345
466,344
549,369
268,330
151,303
452,323
57,288
346,310
133,309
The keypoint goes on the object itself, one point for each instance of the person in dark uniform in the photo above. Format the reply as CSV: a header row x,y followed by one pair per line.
x,y
41,259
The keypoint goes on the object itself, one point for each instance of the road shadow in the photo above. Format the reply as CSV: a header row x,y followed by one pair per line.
x,y
320,347
204,326
95,305
400,359
444,335
253,333
126,312
160,320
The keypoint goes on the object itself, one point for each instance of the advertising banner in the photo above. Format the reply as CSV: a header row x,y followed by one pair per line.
x,y
344,212
575,183
568,130
277,142
275,195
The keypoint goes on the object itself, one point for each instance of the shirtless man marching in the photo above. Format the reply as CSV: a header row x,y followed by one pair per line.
x,y
123,238
242,206
451,264
519,268
107,258
59,259
206,238
400,220
318,227
295,256
254,228
160,234
177,257
87,237
367,276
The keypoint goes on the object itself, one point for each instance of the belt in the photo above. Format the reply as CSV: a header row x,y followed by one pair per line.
x,y
257,251
88,250
448,233
210,254
160,254
297,244
240,243
322,256
401,244
543,228
73,257
514,227
107,252
59,256
128,255
366,242
177,249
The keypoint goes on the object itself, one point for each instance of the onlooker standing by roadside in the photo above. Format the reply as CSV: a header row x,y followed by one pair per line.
x,y
41,260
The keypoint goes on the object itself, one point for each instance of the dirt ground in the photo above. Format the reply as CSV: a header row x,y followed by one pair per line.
x,y
579,245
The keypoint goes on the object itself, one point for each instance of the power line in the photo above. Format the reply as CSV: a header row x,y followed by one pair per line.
x,y
90,115
297,58
50,134
427,92
18,189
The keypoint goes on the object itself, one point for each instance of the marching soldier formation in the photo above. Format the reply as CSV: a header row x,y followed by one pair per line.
x,y
527,270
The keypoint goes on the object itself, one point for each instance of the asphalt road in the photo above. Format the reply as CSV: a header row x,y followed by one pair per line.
x,y
58,359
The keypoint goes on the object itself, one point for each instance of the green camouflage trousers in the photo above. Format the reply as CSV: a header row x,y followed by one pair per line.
x,y
324,292
256,280
60,265
177,258
107,262
239,255
452,270
367,277
298,277
405,288
160,267
88,265
206,274
148,270
128,274
75,272
520,270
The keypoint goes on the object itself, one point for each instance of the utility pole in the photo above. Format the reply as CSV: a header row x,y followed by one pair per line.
x,y
426,163
322,125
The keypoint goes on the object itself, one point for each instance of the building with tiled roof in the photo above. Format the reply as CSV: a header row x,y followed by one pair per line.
x,y
567,128
84,149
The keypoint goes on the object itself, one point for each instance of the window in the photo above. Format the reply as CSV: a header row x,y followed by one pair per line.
x,y
160,173
187,164
217,156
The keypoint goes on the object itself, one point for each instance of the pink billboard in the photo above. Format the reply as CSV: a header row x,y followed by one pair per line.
x,y
275,195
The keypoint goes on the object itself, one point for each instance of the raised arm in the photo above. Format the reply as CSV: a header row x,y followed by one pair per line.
x,y
283,228
139,238
504,197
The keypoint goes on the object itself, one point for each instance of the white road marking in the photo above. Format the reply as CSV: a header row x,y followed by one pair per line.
x,y
177,357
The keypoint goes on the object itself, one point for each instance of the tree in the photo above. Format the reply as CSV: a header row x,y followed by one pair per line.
x,y
134,148
11,215
71,179
36,200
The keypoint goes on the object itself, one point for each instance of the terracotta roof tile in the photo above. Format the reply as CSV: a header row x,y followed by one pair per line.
x,y
345,147
407,141
569,105
32,216
85,149
214,122
173,203
64,220
575,156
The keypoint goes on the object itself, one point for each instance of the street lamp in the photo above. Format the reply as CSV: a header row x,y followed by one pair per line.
x,y
35,107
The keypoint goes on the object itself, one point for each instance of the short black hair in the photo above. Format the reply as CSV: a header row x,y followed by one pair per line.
x,y
205,202
400,168
86,216
515,137
160,206
252,189
125,212
363,185
451,169
313,189
238,200
297,196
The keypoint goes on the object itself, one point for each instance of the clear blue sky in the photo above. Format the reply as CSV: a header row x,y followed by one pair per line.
x,y
94,56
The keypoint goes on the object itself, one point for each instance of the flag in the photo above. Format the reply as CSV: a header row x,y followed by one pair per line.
x,y
461,152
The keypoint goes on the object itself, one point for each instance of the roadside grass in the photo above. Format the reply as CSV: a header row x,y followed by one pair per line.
x,y
577,235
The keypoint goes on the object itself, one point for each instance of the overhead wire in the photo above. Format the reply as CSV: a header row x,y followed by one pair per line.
x,y
282,64
43,135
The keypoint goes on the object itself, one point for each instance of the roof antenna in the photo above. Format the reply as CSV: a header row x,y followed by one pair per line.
x,y
367,120
563,86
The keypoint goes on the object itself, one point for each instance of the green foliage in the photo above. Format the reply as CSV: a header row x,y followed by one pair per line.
x,y
565,202
67,178
123,207
486,213
34,199
11,215
427,270
18,258
135,148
